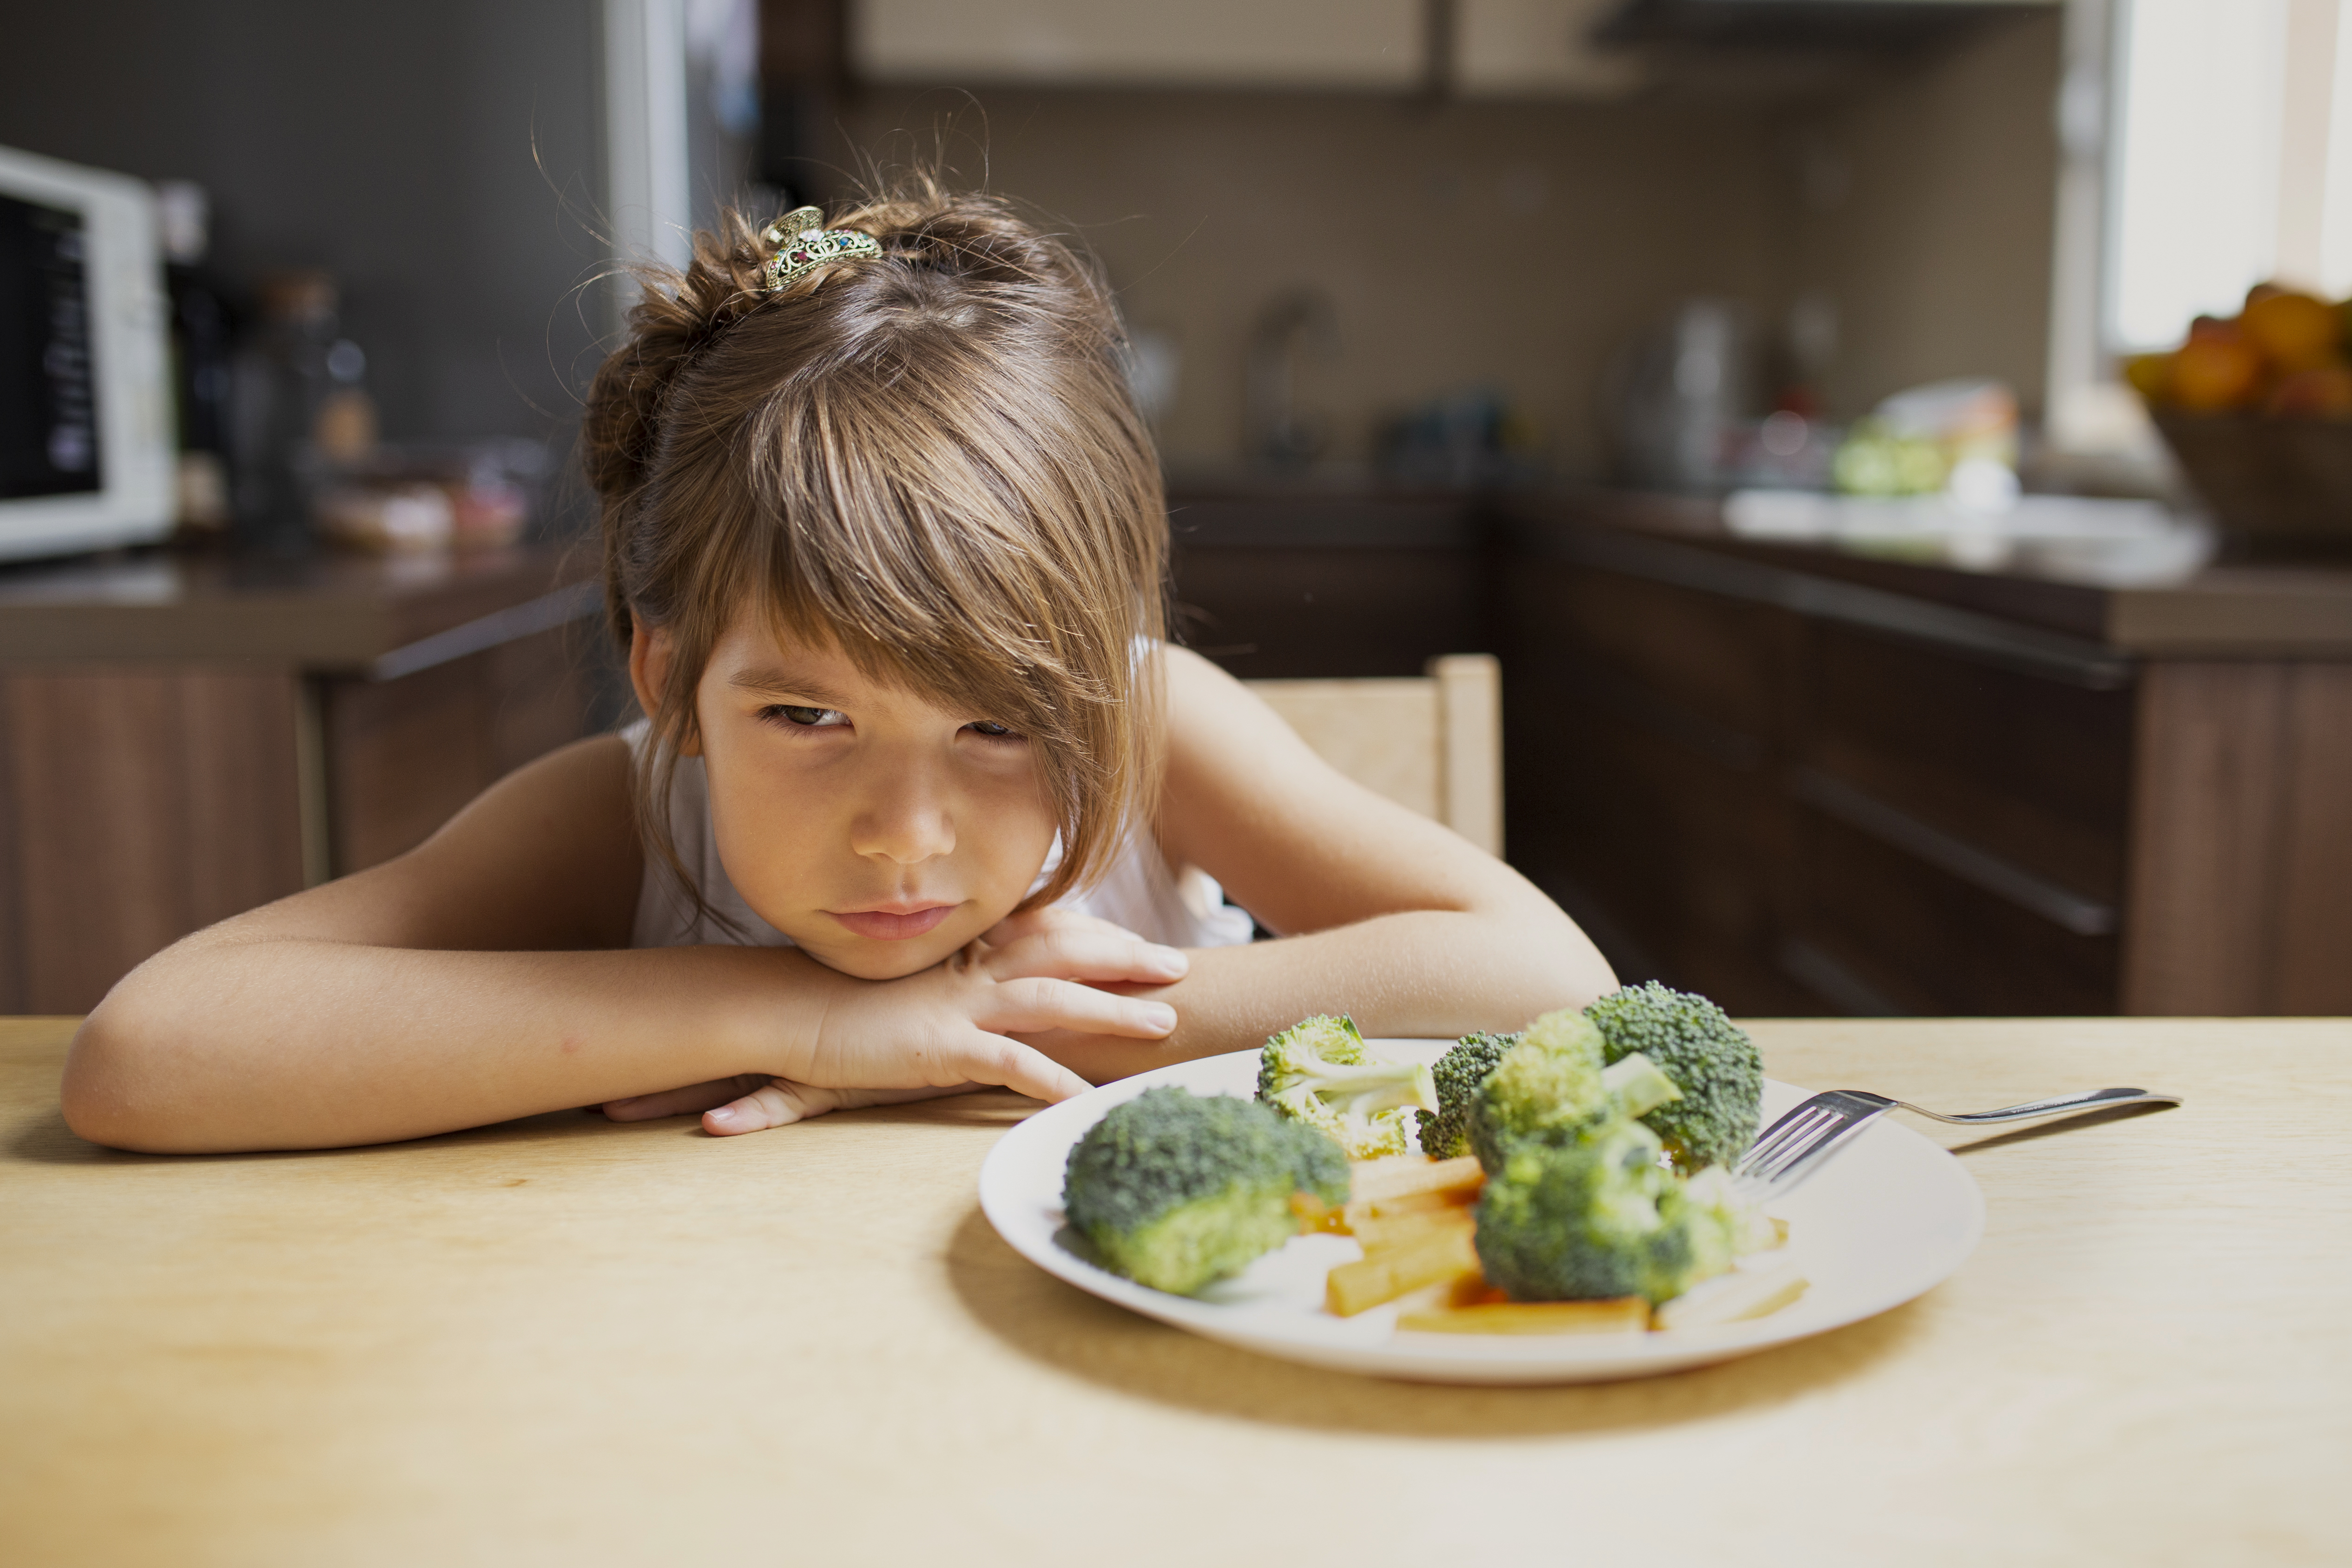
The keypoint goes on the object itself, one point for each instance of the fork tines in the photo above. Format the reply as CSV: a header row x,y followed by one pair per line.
x,y
1792,1144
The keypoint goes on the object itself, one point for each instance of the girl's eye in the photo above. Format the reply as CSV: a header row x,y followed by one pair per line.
x,y
804,717
991,729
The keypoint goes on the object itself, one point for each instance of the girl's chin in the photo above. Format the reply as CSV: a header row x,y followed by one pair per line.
x,y
871,960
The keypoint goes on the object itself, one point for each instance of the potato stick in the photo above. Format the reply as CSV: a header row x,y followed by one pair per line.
x,y
1618,1315
1408,1230
1458,1198
1376,1181
1735,1297
1352,1288
1315,1214
1472,1291
1780,1231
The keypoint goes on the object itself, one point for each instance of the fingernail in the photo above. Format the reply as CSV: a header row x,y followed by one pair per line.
x,y
726,1116
1168,961
1156,1015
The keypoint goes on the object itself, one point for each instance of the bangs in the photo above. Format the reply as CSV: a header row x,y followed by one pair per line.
x,y
935,543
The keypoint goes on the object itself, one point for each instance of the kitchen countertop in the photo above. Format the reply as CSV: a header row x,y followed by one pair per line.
x,y
561,1339
2221,611
2218,611
377,614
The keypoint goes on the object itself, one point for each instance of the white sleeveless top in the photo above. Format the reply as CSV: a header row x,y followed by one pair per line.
x,y
1139,891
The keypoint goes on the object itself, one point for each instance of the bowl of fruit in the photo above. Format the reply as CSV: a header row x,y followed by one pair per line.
x,y
2258,409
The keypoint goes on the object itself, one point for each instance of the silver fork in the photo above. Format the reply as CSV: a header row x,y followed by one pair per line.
x,y
1800,1142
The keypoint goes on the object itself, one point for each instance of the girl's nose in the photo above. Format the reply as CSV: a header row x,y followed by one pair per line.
x,y
905,818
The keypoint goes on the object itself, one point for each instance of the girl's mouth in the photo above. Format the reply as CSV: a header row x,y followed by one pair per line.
x,y
893,925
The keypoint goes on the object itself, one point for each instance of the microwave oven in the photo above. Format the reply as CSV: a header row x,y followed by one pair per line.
x,y
86,418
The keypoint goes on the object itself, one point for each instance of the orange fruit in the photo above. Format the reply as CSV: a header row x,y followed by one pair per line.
x,y
2214,371
2323,393
2150,375
2292,331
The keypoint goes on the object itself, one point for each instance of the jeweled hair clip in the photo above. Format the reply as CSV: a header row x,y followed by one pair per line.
x,y
803,244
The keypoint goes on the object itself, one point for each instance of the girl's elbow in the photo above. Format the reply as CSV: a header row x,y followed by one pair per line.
x,y
109,1092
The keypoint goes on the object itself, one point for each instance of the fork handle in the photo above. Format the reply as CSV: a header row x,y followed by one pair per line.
x,y
2087,1100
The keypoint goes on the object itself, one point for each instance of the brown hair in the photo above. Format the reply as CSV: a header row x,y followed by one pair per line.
x,y
931,460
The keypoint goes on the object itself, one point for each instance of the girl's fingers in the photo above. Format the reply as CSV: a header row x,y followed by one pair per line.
x,y
778,1102
1108,954
693,1100
994,1059
781,1102
1035,1005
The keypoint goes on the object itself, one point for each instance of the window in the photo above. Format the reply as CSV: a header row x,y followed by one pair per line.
x,y
2231,159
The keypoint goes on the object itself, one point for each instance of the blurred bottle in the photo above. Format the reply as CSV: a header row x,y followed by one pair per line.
x,y
201,330
1674,393
300,410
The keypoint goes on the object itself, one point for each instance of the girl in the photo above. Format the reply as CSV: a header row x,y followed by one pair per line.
x,y
921,800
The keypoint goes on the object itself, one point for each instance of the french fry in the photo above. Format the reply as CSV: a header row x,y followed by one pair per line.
x,y
1618,1315
1380,1180
1472,1291
1454,1200
1315,1214
1445,1254
1734,1298
1381,1235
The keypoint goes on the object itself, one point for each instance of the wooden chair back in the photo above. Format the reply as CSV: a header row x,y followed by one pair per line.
x,y
1434,745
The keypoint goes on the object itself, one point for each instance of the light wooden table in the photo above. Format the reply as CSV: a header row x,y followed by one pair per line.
x,y
559,1341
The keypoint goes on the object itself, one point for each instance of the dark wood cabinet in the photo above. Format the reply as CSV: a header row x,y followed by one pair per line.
x,y
257,735
1803,782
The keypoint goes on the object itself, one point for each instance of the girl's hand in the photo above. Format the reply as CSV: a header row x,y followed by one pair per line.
x,y
757,1101
947,1029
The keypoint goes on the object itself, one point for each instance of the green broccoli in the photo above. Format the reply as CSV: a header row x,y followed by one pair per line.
x,y
1445,1131
1552,1086
1175,1190
1597,1216
1707,1057
1318,1072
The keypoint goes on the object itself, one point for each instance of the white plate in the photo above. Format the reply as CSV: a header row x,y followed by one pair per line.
x,y
1887,1220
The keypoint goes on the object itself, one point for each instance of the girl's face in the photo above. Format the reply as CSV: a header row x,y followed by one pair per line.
x,y
877,831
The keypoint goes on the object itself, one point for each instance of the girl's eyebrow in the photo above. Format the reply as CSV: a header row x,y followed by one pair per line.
x,y
787,683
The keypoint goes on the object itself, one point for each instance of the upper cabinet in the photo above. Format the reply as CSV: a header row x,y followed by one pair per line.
x,y
1535,49
1376,45
1472,48
1465,48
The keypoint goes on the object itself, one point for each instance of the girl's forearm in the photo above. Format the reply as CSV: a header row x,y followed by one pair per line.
x,y
286,1044
1435,973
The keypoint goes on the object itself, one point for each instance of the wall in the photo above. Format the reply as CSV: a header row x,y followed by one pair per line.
x,y
1924,206
1516,246
1522,245
438,156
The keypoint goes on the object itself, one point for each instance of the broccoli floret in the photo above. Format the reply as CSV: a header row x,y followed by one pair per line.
x,y
1707,1057
1597,1216
1175,1190
1318,1072
1445,1131
1552,1086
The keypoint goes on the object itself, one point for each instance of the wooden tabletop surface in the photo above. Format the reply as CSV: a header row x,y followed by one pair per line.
x,y
559,1339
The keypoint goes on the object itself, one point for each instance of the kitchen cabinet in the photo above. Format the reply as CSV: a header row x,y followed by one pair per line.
x,y
1350,44
184,740
1805,781
1802,781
